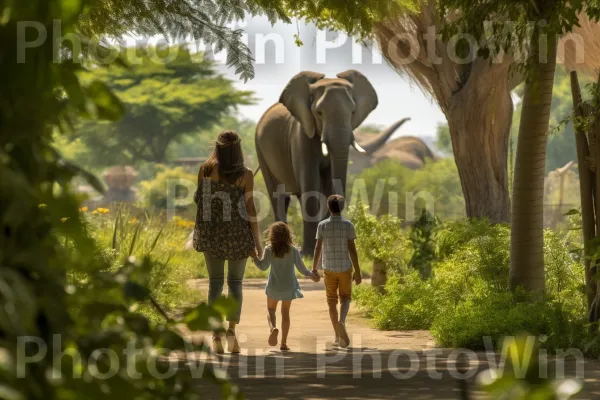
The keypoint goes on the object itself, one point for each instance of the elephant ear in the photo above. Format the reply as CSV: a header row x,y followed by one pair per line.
x,y
296,98
364,95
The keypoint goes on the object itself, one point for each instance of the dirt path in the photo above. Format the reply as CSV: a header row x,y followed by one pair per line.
x,y
378,365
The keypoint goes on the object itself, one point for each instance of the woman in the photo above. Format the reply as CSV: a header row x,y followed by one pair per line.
x,y
226,226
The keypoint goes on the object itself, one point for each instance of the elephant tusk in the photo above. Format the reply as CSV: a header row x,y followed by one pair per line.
x,y
324,149
357,147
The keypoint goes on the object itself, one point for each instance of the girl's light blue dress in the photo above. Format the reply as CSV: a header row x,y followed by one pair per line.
x,y
282,284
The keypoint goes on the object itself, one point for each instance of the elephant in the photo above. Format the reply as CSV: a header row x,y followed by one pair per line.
x,y
410,151
303,142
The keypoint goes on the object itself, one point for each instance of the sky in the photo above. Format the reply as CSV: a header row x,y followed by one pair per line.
x,y
278,58
331,53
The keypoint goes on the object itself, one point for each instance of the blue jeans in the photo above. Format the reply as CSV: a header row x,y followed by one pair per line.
x,y
235,278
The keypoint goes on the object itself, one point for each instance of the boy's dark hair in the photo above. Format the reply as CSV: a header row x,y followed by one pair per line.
x,y
335,203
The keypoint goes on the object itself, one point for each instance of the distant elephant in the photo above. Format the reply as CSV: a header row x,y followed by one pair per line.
x,y
302,142
410,151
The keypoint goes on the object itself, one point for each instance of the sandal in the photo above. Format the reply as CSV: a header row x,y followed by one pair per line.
x,y
273,337
232,343
218,345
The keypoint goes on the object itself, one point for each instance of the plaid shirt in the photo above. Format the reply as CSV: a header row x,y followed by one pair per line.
x,y
335,233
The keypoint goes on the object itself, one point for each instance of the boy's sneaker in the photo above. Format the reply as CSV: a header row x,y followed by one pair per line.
x,y
344,338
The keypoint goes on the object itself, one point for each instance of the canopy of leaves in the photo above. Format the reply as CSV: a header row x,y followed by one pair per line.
x,y
488,19
165,100
207,20
357,17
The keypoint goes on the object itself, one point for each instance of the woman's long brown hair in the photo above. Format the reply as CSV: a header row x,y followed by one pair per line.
x,y
228,156
280,238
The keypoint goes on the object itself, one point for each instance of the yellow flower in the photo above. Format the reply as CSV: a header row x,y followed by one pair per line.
x,y
83,209
133,221
182,223
63,220
95,212
103,210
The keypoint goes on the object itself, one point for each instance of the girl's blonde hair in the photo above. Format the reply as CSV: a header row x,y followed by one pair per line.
x,y
279,238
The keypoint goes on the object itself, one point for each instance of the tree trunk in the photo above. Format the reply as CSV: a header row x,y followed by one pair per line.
x,y
379,277
586,186
527,233
479,119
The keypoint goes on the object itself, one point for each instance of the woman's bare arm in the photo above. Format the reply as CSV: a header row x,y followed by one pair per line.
x,y
251,208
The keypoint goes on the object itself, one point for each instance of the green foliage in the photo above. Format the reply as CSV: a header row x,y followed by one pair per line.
x,y
443,139
487,20
123,235
561,141
380,239
201,144
203,20
523,355
404,306
423,244
469,282
56,282
357,17
168,93
154,193
437,180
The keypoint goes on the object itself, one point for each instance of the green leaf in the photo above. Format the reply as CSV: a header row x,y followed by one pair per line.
x,y
67,10
115,231
572,212
134,239
225,305
72,86
135,290
107,105
203,318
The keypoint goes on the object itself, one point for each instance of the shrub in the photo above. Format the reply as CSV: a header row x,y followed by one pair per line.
x,y
467,296
405,304
438,179
153,193
380,238
472,289
125,236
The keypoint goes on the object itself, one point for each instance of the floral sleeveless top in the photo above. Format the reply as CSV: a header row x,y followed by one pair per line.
x,y
222,229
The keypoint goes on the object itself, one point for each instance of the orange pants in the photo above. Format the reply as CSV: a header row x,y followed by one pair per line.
x,y
338,282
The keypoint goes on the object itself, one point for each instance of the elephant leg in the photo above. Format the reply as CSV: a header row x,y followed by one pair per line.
x,y
312,214
279,203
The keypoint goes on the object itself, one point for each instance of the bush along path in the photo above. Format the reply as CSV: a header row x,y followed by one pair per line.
x,y
377,365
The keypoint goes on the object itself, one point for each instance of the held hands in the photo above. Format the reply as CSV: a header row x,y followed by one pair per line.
x,y
357,277
315,276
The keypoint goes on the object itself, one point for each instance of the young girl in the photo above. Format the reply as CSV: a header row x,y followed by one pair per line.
x,y
282,256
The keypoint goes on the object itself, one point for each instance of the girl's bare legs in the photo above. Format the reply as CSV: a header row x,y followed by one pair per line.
x,y
271,318
285,323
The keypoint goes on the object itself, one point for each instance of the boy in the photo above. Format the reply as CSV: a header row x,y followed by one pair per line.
x,y
335,242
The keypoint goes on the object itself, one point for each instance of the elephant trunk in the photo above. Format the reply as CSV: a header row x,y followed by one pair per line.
x,y
375,144
339,167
